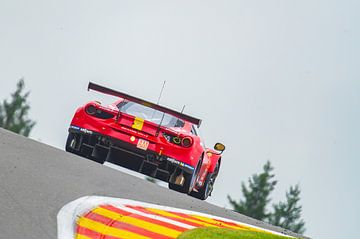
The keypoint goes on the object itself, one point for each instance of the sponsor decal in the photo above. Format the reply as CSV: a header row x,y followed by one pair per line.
x,y
74,127
189,167
94,217
86,131
138,123
134,132
181,164
83,130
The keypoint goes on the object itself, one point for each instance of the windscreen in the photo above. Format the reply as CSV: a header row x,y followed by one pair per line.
x,y
150,114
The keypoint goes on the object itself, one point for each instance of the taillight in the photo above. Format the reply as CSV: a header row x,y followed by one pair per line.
x,y
91,110
98,113
187,142
176,140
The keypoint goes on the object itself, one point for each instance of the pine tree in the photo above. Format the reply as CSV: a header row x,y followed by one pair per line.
x,y
287,214
14,114
256,195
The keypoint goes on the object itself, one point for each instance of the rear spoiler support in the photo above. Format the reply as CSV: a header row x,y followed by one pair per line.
x,y
108,91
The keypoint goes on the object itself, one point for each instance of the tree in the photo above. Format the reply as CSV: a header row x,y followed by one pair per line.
x,y
287,214
257,197
257,194
14,114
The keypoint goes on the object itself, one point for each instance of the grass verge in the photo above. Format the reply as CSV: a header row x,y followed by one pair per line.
x,y
223,233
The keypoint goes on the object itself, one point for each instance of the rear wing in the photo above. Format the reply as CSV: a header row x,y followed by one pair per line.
x,y
105,90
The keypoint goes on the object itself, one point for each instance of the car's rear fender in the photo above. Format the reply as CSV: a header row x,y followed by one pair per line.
x,y
214,158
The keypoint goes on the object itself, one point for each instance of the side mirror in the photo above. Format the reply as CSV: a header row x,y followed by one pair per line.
x,y
219,147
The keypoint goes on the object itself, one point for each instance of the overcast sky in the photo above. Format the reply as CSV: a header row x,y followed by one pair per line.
x,y
272,80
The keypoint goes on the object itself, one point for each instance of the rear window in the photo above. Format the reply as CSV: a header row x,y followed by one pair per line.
x,y
150,114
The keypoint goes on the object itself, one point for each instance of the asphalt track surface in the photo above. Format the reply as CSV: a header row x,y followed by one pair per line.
x,y
37,180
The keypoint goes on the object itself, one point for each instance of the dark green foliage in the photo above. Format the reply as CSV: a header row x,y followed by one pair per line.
x,y
288,214
13,114
225,233
256,194
257,197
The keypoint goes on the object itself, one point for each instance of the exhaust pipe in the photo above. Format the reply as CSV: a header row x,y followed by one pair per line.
x,y
180,180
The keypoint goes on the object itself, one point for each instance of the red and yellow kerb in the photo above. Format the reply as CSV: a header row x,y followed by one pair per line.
x,y
137,222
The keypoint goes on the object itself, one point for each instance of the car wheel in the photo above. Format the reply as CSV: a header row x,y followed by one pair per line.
x,y
206,190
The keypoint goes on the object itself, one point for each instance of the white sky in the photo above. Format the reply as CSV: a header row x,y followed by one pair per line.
x,y
273,80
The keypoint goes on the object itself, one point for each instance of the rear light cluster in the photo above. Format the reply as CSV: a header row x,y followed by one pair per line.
x,y
181,141
98,113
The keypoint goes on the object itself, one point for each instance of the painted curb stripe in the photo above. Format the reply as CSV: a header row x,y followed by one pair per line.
x,y
158,218
204,220
188,219
95,217
79,236
108,222
181,220
221,224
85,233
137,222
154,221
106,230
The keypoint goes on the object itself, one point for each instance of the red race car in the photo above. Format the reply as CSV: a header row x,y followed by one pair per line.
x,y
147,138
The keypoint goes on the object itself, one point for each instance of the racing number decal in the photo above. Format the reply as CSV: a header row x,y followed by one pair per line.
x,y
138,123
142,144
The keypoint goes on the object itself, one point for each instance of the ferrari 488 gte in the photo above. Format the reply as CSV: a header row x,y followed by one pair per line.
x,y
148,138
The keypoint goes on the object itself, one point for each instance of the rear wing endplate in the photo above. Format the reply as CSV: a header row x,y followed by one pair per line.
x,y
105,90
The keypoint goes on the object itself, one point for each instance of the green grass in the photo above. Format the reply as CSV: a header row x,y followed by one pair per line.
x,y
222,233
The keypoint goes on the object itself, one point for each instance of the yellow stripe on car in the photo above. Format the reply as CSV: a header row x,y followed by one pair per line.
x,y
138,123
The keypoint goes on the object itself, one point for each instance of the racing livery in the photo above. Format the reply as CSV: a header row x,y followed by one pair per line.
x,y
148,138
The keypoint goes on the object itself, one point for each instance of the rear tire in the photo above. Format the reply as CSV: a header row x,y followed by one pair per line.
x,y
206,190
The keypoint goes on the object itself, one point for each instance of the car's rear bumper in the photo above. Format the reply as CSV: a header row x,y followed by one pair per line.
x,y
102,147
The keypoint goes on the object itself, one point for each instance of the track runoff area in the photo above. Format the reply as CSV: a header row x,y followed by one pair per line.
x,y
94,217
